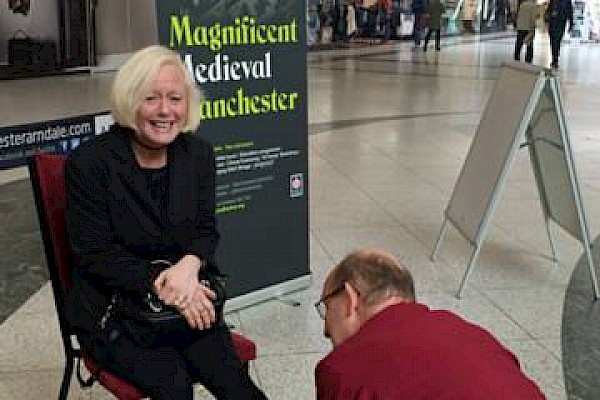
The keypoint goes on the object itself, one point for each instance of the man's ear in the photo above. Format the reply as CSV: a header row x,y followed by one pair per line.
x,y
353,298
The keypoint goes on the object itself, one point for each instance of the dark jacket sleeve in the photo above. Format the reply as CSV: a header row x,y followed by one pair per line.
x,y
205,237
96,256
570,14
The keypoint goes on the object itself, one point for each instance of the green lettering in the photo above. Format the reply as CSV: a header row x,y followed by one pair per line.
x,y
178,30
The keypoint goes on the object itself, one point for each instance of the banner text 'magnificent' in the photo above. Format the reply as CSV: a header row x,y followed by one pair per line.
x,y
243,31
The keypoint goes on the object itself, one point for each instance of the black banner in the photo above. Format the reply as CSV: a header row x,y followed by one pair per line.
x,y
58,136
249,58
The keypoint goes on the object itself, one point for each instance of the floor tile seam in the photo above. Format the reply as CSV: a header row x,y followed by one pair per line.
x,y
59,368
21,311
426,179
516,286
328,257
551,351
411,232
436,74
354,226
402,45
426,62
416,237
392,220
451,293
336,125
342,171
321,244
514,321
538,342
450,154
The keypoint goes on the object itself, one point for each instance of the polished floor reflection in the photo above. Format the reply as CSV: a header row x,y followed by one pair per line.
x,y
389,128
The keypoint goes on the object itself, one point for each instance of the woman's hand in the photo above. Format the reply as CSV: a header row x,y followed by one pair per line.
x,y
176,285
200,311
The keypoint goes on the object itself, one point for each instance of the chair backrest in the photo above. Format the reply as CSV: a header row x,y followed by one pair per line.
x,y
47,178
48,181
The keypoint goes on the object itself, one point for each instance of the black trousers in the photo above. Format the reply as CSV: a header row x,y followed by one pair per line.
x,y
167,371
556,34
519,44
418,28
437,37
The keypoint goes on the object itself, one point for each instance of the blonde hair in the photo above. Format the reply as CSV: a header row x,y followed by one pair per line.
x,y
132,83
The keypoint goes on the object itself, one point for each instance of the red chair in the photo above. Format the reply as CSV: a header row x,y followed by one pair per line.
x,y
46,174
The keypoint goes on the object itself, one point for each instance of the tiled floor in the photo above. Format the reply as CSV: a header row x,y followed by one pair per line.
x,y
389,129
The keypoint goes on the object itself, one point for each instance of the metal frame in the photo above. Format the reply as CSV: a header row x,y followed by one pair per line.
x,y
483,226
574,184
542,80
267,293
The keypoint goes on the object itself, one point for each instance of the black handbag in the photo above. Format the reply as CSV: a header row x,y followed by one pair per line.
x,y
148,320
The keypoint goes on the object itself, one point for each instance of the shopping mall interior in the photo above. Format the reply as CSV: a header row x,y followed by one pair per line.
x,y
389,128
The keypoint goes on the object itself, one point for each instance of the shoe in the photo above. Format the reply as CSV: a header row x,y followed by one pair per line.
x,y
554,65
437,49
424,49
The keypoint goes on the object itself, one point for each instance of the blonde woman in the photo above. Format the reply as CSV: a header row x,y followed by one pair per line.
x,y
141,192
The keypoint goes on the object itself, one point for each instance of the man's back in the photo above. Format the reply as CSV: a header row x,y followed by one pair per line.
x,y
407,351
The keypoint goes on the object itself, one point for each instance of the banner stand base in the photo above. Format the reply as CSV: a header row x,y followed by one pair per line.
x,y
268,293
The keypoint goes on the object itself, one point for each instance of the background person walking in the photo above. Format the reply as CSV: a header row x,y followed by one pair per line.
x,y
435,9
386,8
418,9
525,24
557,15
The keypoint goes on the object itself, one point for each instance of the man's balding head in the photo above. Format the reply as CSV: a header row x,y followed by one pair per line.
x,y
361,285
375,273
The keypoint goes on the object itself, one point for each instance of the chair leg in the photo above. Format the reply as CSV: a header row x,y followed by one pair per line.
x,y
64,387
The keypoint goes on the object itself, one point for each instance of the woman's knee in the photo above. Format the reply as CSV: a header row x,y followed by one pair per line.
x,y
171,384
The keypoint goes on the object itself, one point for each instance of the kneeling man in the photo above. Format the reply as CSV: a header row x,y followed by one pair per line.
x,y
388,347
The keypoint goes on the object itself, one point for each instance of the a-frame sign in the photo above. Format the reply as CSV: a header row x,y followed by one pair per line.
x,y
524,110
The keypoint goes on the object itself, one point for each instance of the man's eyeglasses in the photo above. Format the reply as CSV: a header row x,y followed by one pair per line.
x,y
320,305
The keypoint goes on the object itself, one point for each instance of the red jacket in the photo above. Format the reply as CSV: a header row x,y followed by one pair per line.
x,y
410,352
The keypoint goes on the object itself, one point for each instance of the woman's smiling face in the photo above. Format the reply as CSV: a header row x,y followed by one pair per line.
x,y
163,112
